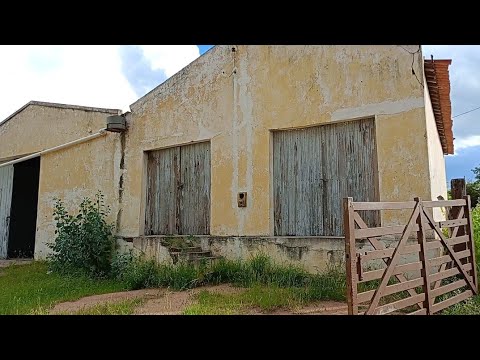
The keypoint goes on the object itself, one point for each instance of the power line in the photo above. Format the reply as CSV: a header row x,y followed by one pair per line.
x,y
466,112
413,60
411,53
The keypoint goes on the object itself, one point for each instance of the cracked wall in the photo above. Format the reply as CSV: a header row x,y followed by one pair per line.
x,y
234,98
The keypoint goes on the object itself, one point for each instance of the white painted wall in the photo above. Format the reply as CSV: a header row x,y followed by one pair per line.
x,y
436,159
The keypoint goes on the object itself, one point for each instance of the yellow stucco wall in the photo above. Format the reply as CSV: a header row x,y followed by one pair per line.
x,y
38,127
71,173
235,98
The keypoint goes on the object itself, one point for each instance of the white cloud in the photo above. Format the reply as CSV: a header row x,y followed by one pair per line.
x,y
467,142
89,75
465,89
170,58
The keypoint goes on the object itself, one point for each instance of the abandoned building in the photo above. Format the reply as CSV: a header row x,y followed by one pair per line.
x,y
247,149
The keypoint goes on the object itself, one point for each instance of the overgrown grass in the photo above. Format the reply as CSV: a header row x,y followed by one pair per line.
x,y
137,274
472,305
468,307
476,233
27,289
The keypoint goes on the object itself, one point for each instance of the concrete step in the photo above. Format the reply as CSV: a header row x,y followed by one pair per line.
x,y
206,259
187,249
192,255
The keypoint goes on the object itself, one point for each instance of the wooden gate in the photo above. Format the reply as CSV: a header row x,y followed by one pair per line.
x,y
419,276
178,194
6,187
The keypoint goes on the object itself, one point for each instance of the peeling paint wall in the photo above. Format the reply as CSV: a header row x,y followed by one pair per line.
x,y
71,173
234,99
38,128
313,253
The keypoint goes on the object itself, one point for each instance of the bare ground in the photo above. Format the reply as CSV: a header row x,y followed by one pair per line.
x,y
167,302
90,301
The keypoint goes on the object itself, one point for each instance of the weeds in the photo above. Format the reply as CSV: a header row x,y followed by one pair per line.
x,y
137,273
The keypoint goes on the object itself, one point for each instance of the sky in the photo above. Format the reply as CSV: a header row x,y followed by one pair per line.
x,y
115,76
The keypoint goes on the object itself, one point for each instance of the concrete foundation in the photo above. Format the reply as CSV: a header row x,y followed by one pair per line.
x,y
314,254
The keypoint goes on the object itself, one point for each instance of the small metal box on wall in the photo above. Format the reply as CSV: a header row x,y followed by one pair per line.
x,y
242,199
116,123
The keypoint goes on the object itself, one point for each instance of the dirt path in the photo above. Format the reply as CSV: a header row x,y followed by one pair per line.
x,y
90,301
167,302
175,302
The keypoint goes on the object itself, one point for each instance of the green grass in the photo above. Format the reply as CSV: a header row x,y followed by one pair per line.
x,y
125,307
266,298
468,307
260,269
28,289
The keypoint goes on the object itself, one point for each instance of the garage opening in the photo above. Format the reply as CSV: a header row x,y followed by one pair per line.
x,y
23,211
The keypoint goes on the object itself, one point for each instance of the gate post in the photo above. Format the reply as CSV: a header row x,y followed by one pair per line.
x,y
459,191
350,255
423,257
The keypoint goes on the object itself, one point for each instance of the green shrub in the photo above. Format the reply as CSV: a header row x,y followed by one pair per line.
x,y
84,242
120,264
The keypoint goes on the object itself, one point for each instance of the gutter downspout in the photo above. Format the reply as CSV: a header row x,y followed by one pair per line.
x,y
101,132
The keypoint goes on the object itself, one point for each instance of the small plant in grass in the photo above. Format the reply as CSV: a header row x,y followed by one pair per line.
x,y
476,233
84,242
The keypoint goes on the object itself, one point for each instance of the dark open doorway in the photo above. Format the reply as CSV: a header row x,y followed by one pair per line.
x,y
23,213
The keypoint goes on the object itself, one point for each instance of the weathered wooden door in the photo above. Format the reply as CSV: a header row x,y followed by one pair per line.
x,y
178,196
315,168
6,187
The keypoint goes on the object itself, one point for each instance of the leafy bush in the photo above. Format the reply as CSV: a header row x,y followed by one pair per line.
x,y
84,241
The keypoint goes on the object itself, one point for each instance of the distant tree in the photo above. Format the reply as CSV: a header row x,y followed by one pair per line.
x,y
473,189
476,171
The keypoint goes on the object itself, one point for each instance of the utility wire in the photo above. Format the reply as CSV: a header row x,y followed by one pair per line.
x,y
411,53
466,112
413,60
413,72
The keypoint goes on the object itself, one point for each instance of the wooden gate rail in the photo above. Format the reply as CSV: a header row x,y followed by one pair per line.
x,y
434,276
